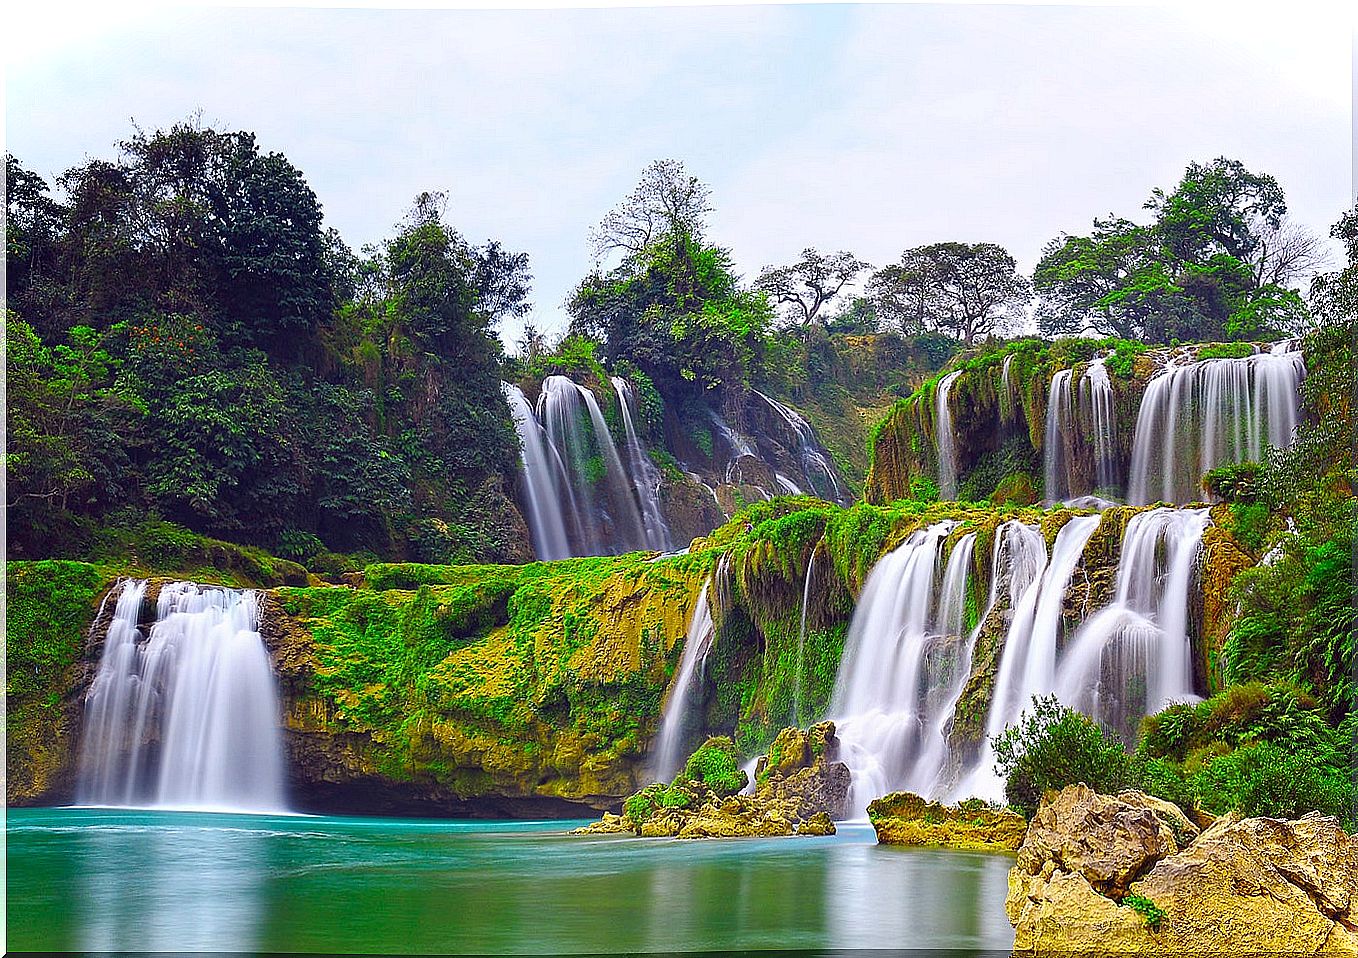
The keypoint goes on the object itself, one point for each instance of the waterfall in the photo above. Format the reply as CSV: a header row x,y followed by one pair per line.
x,y
801,642
815,462
675,719
187,717
1135,656
947,450
1055,455
1028,662
879,696
1096,408
1200,414
1006,396
545,521
645,475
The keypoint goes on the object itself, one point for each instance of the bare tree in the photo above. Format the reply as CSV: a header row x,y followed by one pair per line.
x,y
1287,254
810,283
668,201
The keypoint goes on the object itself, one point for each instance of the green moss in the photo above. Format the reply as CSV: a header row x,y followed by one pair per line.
x,y
715,764
1147,909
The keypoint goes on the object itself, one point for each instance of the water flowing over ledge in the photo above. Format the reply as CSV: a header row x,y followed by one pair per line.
x,y
188,715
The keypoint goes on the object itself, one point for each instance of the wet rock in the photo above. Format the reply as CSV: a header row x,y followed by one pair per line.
x,y
817,824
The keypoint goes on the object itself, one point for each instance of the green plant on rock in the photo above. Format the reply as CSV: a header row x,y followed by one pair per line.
x,y
1147,909
715,764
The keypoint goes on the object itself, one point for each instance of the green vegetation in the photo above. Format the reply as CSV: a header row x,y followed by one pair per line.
x,y
1052,746
1147,909
716,765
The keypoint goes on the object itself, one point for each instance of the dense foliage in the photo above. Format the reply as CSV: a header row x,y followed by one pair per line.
x,y
1219,261
187,342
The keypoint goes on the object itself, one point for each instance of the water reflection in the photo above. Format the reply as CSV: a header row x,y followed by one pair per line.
x,y
148,881
183,887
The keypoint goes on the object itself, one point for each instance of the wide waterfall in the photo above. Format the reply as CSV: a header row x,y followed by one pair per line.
x,y
187,716
1134,657
945,441
1200,414
676,720
645,473
884,681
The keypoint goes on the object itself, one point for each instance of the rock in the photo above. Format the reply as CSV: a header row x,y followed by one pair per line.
x,y
802,768
610,824
799,787
1107,841
1092,876
904,818
817,824
1185,829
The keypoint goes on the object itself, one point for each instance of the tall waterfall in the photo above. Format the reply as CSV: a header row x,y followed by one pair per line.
x,y
188,716
581,500
883,681
539,472
1055,451
1028,663
946,443
1200,414
801,641
676,720
645,475
821,475
1097,415
1134,657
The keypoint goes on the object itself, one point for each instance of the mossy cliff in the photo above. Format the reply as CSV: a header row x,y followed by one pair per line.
x,y
998,431
538,689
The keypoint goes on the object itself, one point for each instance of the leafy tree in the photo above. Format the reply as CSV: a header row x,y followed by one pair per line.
x,y
811,283
1218,207
1051,747
963,289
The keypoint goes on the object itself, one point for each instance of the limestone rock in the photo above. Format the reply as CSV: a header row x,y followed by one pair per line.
x,y
904,818
801,768
1107,841
1094,875
817,824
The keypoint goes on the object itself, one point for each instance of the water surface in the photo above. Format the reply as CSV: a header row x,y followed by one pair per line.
x,y
123,880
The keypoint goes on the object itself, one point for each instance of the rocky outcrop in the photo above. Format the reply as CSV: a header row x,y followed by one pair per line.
x,y
904,818
799,787
1132,875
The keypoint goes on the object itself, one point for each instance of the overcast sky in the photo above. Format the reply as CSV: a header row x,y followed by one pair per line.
x,y
870,128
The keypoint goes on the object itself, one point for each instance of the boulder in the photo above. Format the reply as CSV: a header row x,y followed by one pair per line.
x,y
802,768
817,824
904,818
1095,875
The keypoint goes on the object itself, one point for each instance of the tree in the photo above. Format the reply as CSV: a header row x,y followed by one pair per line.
x,y
811,283
667,202
1218,207
1287,254
963,289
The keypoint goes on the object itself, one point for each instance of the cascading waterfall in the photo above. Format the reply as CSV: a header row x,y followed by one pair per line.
x,y
1055,455
1096,408
187,717
946,444
645,474
880,692
1006,388
1200,414
545,520
801,642
675,720
559,410
821,475
1135,656
1028,663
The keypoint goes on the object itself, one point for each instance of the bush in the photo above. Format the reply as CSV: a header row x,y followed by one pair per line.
x,y
716,765
1053,746
1233,483
1265,779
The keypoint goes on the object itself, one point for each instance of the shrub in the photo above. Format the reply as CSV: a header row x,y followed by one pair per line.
x,y
716,765
1053,746
1264,779
1233,483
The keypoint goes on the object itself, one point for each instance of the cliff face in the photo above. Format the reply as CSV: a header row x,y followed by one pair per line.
x,y
536,690
999,420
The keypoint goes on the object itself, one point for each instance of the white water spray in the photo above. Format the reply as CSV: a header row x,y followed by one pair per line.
x,y
676,719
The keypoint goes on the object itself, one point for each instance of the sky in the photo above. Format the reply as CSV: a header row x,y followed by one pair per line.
x,y
870,128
